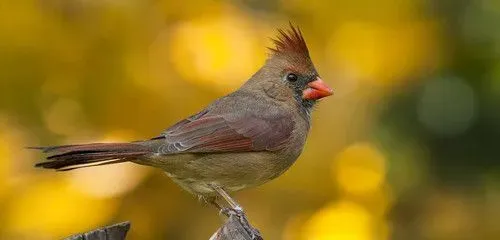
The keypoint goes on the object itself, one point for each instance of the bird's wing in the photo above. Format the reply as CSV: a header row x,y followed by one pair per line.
x,y
206,132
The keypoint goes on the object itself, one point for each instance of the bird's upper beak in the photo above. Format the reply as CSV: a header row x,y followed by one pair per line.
x,y
317,89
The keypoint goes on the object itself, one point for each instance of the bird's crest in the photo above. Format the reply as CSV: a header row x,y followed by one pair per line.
x,y
289,41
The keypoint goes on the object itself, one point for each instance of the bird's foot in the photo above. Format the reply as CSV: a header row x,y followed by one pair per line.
x,y
228,212
238,208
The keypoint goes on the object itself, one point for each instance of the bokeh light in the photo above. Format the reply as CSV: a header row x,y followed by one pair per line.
x,y
369,49
65,117
343,220
204,50
107,182
54,209
447,106
360,169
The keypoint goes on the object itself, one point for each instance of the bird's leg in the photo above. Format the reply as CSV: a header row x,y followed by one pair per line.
x,y
234,205
213,201
210,200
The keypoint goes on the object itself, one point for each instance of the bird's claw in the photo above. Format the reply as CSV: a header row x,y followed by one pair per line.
x,y
238,211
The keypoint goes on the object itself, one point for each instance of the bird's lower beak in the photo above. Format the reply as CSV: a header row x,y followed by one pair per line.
x,y
317,89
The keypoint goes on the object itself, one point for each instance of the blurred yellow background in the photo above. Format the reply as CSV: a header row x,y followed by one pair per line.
x,y
407,148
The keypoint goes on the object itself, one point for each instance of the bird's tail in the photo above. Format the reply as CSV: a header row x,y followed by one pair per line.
x,y
69,157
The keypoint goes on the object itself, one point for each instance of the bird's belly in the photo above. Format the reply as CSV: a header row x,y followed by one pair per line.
x,y
233,172
200,187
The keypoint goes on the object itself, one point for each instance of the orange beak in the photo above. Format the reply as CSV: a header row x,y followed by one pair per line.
x,y
317,89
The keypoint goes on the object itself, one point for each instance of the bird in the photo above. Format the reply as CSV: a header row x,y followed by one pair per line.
x,y
241,140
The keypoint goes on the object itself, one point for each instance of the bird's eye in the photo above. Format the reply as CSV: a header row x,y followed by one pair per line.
x,y
292,77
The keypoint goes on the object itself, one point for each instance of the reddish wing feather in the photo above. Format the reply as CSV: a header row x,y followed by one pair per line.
x,y
215,133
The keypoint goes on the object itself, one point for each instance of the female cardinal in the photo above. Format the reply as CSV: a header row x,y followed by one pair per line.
x,y
241,140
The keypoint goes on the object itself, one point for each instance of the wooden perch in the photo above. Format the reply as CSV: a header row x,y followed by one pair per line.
x,y
114,232
236,227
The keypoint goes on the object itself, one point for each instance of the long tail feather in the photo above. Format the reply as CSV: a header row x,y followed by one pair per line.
x,y
69,157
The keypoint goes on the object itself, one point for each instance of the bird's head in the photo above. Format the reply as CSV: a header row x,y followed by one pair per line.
x,y
290,73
